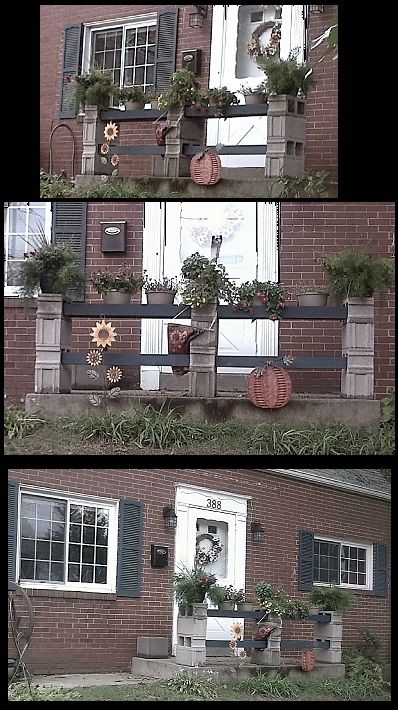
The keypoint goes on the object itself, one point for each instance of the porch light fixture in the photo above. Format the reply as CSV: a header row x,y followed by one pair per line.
x,y
316,9
196,18
170,518
258,532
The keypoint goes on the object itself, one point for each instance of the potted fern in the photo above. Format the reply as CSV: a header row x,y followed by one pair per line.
x,y
358,275
332,600
94,88
50,268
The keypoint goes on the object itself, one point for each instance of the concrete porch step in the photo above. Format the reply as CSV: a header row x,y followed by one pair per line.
x,y
232,669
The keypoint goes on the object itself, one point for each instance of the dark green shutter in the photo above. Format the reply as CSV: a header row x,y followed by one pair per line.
x,y
306,560
166,47
69,228
13,489
129,549
73,43
381,565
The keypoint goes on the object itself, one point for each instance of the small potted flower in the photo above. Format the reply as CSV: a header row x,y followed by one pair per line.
x,y
246,602
184,90
160,291
225,597
52,268
311,294
204,281
256,95
116,287
133,97
221,98
259,293
94,88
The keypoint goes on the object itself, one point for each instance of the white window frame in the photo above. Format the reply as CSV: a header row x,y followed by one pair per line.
x,y
369,563
125,23
15,291
75,498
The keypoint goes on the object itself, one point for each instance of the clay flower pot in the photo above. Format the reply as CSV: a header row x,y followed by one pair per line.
x,y
254,99
160,297
246,606
226,606
134,105
312,299
117,297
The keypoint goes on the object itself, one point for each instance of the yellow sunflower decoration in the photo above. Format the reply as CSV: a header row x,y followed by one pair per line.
x,y
114,159
237,630
103,334
104,148
94,358
111,131
114,374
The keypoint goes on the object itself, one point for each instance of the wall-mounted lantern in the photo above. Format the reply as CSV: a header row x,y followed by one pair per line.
x,y
317,9
170,518
195,19
258,532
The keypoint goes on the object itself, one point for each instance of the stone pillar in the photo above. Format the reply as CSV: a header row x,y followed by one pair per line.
x,y
329,632
203,351
53,336
93,134
191,636
183,131
358,346
285,136
270,656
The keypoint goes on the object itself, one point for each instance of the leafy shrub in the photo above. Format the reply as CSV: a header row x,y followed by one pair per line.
x,y
192,686
286,76
314,183
54,262
358,274
331,599
184,90
18,424
388,410
94,88
203,281
274,686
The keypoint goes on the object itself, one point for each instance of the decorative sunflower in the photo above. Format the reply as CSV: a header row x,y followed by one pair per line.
x,y
94,357
115,159
242,653
103,334
232,645
237,630
111,131
105,148
114,374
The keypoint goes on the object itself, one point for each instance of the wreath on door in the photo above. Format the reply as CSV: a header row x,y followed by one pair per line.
x,y
206,558
255,49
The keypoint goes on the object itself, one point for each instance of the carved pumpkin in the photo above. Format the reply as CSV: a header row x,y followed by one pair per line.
x,y
308,660
205,168
270,388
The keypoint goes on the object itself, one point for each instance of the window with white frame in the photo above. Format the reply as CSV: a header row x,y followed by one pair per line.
x,y
342,563
67,542
27,225
125,48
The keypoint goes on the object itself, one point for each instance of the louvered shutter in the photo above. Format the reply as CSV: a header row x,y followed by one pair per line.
x,y
292,31
381,567
69,228
13,489
129,549
166,46
73,43
306,560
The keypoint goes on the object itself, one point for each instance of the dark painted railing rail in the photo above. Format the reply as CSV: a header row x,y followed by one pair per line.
x,y
140,310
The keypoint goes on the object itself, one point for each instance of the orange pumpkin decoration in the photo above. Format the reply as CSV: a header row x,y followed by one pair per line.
x,y
205,168
160,134
308,660
270,388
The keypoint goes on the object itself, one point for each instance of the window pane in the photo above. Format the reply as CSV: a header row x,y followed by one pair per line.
x,y
141,35
344,577
353,553
74,553
102,517
323,575
42,550
139,76
74,573
140,56
100,575
75,533
149,75
58,531
17,220
362,579
88,534
361,566
28,508
36,220
345,551
361,554
87,573
89,516
76,514
28,527
344,565
334,549
130,38
43,530
353,566
119,37
333,563
28,548
151,35
352,578
102,536
57,572
101,555
130,58
110,40
99,41
27,569
128,77
150,55
118,58
324,562
324,548
59,511
333,576
88,553
44,511
109,58
43,570
57,551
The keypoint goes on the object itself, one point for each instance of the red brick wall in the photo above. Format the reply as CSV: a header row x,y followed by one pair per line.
x,y
82,632
19,349
53,20
322,109
330,227
321,151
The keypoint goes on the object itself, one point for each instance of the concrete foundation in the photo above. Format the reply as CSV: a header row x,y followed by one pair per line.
x,y
152,646
301,410
232,671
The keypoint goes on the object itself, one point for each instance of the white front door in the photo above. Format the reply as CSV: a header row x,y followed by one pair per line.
x,y
231,66
200,511
248,251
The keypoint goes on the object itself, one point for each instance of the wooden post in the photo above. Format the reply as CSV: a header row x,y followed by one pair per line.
x,y
203,351
358,346
53,335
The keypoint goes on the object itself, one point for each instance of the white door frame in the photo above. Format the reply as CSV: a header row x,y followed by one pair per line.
x,y
190,496
153,260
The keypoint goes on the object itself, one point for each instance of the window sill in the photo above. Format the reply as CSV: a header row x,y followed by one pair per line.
x,y
33,592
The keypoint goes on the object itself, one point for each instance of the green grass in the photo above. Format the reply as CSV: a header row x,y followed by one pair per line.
x,y
50,188
148,431
202,690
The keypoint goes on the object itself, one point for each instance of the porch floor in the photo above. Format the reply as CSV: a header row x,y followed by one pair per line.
x,y
302,410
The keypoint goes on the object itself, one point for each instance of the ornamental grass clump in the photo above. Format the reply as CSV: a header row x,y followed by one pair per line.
x,y
330,599
286,76
94,88
204,281
358,274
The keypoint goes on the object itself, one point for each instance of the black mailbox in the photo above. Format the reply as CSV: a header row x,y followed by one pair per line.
x,y
191,60
159,556
113,236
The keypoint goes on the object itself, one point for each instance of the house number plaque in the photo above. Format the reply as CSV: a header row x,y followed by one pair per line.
x,y
213,503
